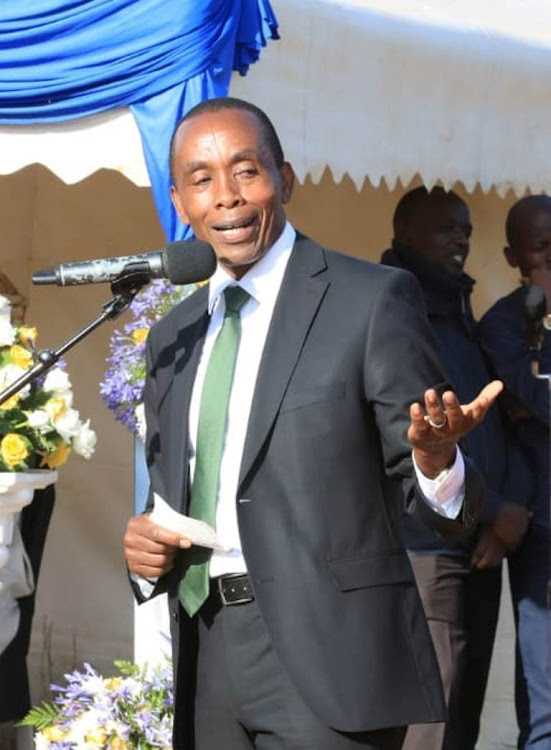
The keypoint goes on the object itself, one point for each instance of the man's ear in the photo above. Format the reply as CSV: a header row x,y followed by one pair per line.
x,y
177,203
510,256
287,182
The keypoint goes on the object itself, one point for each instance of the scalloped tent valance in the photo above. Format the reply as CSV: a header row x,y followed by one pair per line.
x,y
452,91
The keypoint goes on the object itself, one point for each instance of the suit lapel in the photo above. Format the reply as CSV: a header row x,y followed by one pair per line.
x,y
188,337
303,288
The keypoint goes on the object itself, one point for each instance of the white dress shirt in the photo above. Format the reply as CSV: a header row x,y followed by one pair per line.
x,y
263,282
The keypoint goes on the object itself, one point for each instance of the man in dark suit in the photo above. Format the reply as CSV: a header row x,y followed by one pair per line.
x,y
311,633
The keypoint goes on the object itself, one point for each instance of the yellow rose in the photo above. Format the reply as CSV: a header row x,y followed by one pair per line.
x,y
112,683
139,335
21,356
10,403
116,743
27,335
97,737
54,734
13,449
58,457
55,407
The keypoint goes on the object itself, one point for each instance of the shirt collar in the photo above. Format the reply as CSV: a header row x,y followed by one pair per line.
x,y
264,279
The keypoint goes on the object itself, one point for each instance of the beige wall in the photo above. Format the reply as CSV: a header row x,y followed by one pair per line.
x,y
83,605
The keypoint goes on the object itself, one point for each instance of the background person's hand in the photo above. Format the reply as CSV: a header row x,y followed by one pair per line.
x,y
511,523
489,551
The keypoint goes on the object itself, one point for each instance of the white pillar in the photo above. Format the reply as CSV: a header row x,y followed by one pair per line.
x,y
152,643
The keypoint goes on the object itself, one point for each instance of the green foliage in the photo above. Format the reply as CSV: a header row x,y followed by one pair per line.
x,y
41,716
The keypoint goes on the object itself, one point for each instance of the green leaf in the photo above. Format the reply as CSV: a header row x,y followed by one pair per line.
x,y
128,668
41,716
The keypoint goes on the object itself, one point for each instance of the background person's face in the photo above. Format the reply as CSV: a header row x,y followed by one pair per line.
x,y
439,232
531,250
228,187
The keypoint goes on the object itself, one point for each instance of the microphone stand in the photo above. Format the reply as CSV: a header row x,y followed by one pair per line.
x,y
124,288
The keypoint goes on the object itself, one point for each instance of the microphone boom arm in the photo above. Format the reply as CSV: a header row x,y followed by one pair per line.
x,y
124,288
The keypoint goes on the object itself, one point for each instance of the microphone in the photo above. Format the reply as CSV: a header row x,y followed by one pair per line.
x,y
182,262
535,307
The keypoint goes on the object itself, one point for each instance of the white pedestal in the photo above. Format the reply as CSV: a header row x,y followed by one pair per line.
x,y
16,579
152,643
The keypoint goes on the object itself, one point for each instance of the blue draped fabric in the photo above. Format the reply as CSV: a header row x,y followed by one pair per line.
x,y
65,59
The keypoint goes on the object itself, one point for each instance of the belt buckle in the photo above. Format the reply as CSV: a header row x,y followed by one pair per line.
x,y
226,602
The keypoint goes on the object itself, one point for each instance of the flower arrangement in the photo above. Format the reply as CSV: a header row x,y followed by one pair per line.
x,y
38,425
132,711
123,383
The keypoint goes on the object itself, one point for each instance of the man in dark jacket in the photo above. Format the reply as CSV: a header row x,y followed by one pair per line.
x,y
460,582
504,336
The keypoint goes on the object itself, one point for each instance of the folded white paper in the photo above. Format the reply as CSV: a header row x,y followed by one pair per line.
x,y
198,532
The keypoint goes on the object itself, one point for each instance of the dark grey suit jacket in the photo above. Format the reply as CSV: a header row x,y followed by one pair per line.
x,y
327,472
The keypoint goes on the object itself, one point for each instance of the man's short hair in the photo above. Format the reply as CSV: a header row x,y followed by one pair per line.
x,y
519,209
410,202
218,104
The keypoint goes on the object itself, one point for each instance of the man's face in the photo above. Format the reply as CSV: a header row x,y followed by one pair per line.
x,y
439,231
531,249
228,187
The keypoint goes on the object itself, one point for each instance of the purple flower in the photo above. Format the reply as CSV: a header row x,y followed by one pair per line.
x,y
123,382
136,706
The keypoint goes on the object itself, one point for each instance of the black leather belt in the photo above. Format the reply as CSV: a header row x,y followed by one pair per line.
x,y
232,589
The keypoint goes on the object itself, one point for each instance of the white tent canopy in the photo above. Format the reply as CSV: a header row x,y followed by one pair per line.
x,y
75,149
452,90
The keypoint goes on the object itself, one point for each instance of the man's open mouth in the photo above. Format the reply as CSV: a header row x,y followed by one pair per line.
x,y
235,230
233,225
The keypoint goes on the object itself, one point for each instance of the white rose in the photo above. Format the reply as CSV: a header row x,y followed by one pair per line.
x,y
68,424
56,406
57,380
9,374
7,332
5,309
40,742
39,420
82,725
85,441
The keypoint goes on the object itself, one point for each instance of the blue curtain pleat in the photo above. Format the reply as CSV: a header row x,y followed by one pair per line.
x,y
65,60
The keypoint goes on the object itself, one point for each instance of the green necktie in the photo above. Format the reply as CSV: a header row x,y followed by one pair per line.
x,y
211,430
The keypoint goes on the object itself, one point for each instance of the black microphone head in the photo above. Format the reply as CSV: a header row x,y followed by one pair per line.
x,y
189,261
535,305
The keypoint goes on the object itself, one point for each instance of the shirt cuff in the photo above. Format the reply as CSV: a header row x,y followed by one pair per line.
x,y
146,585
444,493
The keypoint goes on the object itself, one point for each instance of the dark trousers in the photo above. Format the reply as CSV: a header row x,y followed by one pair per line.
x,y
462,608
529,573
245,700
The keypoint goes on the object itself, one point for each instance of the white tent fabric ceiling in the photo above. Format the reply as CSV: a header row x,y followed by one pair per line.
x,y
76,149
451,90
